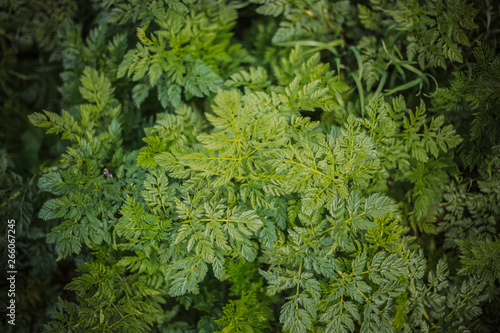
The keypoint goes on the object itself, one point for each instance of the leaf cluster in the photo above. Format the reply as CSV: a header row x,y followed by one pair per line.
x,y
309,183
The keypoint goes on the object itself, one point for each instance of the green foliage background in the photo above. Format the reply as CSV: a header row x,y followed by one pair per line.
x,y
252,166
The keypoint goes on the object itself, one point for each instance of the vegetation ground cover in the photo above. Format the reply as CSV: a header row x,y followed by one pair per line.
x,y
251,166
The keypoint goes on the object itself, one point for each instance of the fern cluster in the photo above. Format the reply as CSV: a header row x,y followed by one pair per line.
x,y
265,166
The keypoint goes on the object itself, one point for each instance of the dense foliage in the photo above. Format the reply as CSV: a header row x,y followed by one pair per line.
x,y
253,166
